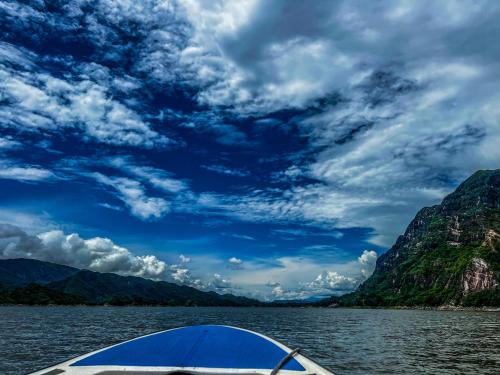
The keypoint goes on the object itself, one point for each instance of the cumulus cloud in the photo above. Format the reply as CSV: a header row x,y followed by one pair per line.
x,y
219,283
235,263
181,275
367,261
96,254
101,255
234,260
345,279
331,281
279,292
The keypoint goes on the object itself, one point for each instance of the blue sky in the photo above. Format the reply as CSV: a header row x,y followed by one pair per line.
x,y
265,148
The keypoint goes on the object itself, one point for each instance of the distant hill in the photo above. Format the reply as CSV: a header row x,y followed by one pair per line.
x,y
27,281
21,272
35,294
449,254
100,288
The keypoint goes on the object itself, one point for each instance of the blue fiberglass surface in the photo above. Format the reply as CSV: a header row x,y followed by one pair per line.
x,y
196,346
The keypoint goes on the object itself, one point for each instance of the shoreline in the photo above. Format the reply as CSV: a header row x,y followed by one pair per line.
x,y
429,308
416,308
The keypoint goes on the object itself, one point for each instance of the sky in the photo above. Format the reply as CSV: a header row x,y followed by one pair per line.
x,y
271,149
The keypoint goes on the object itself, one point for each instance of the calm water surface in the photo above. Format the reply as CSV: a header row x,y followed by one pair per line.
x,y
345,341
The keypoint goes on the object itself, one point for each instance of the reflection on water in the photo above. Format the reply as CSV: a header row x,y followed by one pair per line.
x,y
346,341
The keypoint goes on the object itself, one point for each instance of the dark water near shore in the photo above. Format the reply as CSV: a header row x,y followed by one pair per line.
x,y
345,341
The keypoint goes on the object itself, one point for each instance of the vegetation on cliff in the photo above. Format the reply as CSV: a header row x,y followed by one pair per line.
x,y
449,254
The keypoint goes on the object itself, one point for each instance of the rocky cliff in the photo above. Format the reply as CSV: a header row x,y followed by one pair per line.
x,y
449,254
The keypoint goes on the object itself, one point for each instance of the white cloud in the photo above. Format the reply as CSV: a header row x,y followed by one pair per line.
x,y
101,255
235,261
28,222
415,106
221,284
299,277
367,260
96,254
181,275
111,206
279,292
225,170
328,282
331,281
290,233
7,143
135,184
38,100
132,193
24,173
251,54
158,178
242,236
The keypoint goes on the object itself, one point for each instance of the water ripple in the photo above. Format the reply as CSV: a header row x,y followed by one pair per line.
x,y
347,341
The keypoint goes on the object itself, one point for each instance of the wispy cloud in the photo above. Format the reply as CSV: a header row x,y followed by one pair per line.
x,y
7,143
24,173
157,177
133,194
393,122
225,170
240,236
37,100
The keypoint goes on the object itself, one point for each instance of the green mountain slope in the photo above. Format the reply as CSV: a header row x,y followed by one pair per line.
x,y
27,281
34,294
21,272
449,254
99,288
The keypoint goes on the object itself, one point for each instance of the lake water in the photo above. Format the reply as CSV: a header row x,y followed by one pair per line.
x,y
347,341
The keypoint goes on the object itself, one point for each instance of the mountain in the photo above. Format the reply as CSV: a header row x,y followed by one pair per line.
x,y
449,254
34,294
21,272
27,281
100,288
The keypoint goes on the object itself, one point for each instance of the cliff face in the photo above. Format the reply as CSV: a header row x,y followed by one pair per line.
x,y
449,254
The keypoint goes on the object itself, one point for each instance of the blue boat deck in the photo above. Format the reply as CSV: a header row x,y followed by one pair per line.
x,y
194,350
206,346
